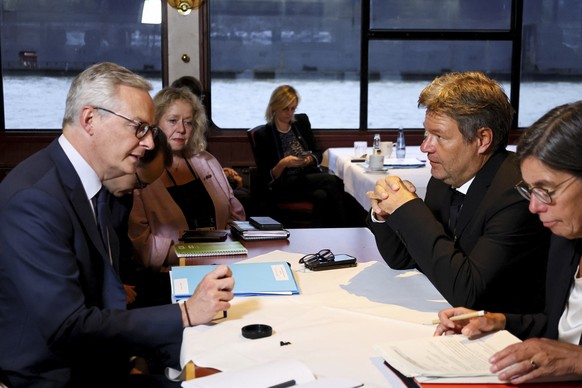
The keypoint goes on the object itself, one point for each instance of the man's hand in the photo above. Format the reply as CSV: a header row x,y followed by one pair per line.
x,y
211,296
389,194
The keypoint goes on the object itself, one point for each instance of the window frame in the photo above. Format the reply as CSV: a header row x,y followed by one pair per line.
x,y
513,35
368,34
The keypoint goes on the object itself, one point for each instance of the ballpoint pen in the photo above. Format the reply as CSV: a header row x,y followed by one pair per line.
x,y
459,317
285,384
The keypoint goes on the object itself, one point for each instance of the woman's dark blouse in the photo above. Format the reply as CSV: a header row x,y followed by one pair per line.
x,y
194,201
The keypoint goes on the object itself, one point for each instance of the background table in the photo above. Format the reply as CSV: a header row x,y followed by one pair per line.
x,y
358,181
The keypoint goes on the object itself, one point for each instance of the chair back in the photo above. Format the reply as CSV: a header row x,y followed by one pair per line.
x,y
256,182
291,213
251,135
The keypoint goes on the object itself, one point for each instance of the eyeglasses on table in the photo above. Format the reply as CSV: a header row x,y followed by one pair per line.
x,y
324,255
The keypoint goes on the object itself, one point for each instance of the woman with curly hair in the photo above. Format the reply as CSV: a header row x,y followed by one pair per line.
x,y
193,193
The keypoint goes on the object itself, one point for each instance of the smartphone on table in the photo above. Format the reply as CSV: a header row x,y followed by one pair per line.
x,y
203,235
339,261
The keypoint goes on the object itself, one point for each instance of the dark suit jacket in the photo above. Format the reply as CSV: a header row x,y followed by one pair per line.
x,y
563,261
497,262
269,150
62,305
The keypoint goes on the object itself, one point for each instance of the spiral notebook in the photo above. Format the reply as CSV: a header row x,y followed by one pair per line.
x,y
210,249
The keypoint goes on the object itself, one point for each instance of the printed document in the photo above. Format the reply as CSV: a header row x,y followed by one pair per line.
x,y
446,356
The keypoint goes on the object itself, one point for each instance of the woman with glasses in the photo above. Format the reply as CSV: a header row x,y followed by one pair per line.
x,y
550,157
192,194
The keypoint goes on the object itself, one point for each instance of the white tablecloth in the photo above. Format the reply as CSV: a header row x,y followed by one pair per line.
x,y
358,180
331,327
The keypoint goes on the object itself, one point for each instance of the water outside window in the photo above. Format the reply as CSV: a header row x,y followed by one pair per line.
x,y
314,45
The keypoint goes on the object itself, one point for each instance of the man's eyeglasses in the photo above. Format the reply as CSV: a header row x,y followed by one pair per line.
x,y
324,255
141,129
542,195
139,184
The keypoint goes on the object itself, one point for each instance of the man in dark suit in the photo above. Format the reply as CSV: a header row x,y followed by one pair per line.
x,y
63,314
485,250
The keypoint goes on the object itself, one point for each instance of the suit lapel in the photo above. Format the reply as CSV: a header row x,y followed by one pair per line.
x,y
80,202
272,130
85,213
478,190
112,292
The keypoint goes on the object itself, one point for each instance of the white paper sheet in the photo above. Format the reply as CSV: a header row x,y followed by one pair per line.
x,y
265,375
331,327
446,356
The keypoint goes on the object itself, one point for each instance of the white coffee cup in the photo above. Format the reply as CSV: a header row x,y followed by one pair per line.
x,y
386,148
376,162
360,148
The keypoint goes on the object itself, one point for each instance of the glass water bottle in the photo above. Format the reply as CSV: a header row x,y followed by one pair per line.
x,y
400,144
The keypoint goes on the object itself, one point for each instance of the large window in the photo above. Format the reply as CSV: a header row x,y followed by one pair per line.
x,y
257,45
551,56
400,69
44,44
360,64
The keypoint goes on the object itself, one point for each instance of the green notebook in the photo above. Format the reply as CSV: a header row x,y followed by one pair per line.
x,y
210,249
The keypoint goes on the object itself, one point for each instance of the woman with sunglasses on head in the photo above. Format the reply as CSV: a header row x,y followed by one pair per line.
x,y
288,159
550,157
192,194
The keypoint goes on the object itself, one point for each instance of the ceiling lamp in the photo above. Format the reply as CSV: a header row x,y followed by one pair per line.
x,y
184,7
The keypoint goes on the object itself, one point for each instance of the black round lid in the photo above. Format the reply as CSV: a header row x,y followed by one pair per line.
x,y
257,331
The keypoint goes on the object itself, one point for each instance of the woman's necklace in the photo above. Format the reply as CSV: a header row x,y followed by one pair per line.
x,y
176,166
177,162
181,174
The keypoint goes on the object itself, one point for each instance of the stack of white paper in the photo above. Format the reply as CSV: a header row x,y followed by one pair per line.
x,y
454,356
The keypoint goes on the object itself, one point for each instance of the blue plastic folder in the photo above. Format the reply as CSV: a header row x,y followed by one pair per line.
x,y
250,279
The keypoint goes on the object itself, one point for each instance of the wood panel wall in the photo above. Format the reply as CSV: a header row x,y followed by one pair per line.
x,y
230,147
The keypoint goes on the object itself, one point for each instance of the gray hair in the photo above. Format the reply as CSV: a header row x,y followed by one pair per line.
x,y
97,86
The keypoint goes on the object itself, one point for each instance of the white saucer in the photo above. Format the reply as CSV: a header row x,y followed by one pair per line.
x,y
380,171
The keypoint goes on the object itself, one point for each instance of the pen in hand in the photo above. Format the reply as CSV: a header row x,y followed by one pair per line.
x,y
474,314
